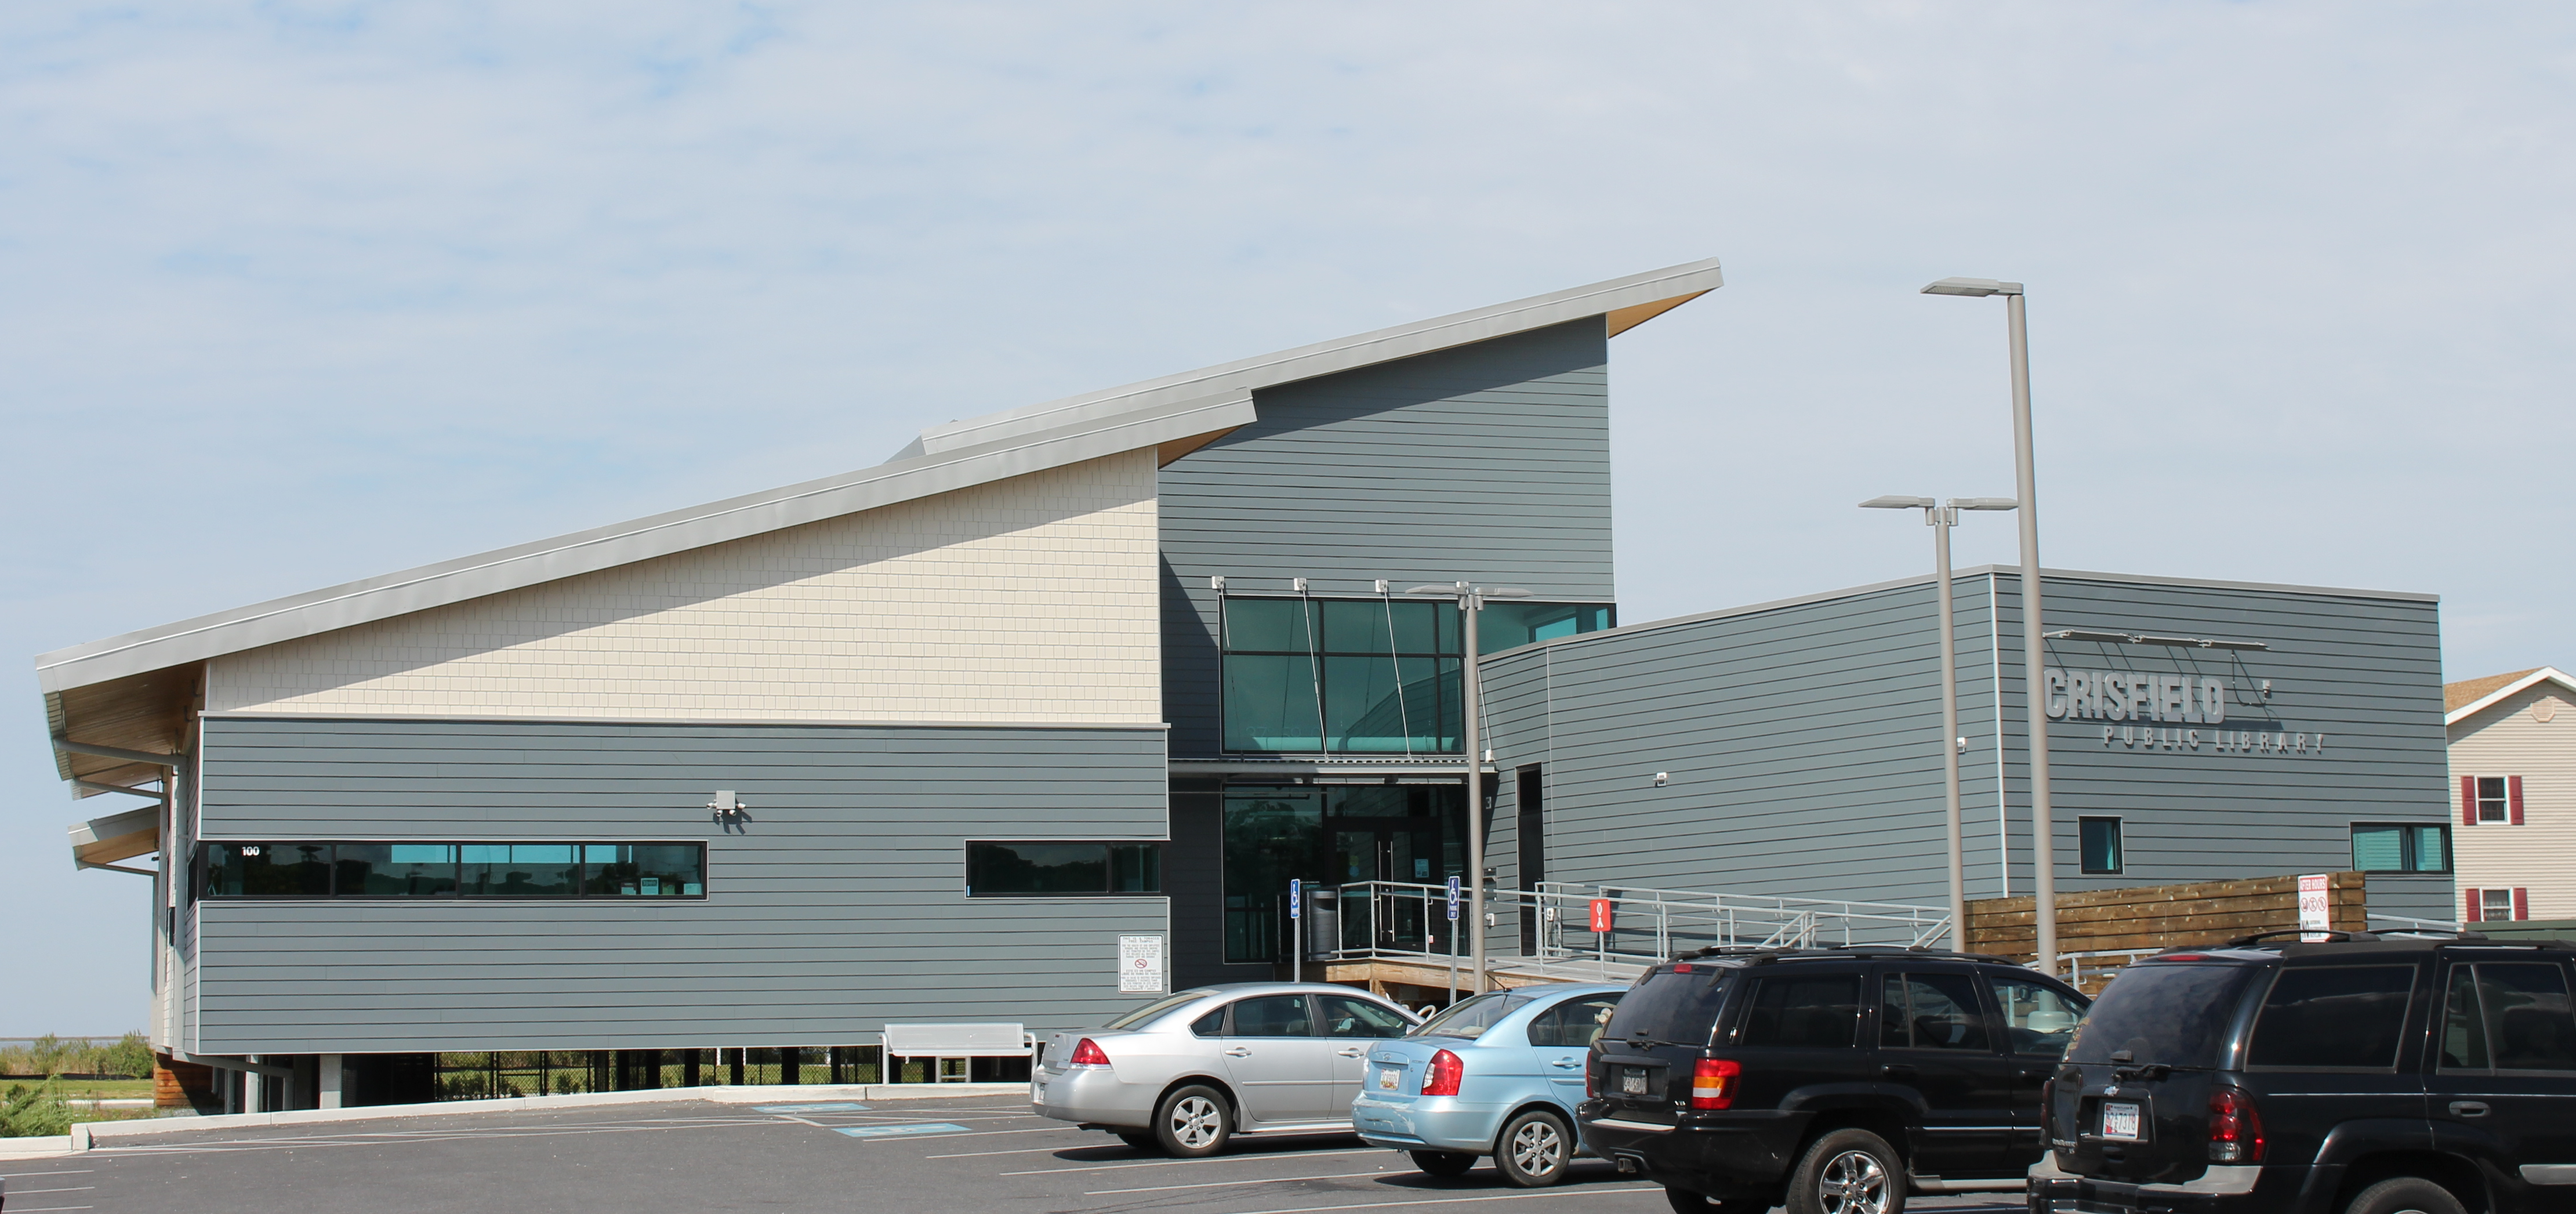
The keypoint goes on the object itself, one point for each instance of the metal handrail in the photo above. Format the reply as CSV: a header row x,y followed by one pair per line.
x,y
1402,920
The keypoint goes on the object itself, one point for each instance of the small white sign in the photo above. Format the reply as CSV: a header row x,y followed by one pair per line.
x,y
1140,965
2316,913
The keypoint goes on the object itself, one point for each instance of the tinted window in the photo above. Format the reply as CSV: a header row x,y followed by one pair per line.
x,y
1272,1016
2173,1014
1811,1010
1470,1018
2528,1019
1931,1012
1156,1008
2338,1016
1674,1003
2036,1019
645,870
269,870
1345,1016
2464,1029
517,870
1572,1024
398,869
1210,1025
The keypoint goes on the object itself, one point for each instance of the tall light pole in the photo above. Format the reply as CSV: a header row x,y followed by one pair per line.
x,y
1471,600
2043,852
1941,519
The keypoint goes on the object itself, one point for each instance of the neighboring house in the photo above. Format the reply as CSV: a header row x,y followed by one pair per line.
x,y
2513,772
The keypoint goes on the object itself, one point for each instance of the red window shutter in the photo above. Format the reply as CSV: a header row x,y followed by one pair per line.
x,y
2469,899
2521,903
2513,797
2468,800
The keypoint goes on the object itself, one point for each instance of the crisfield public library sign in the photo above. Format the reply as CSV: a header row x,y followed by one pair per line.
x,y
2162,710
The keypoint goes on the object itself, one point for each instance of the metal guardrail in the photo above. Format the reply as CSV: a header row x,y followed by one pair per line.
x,y
2075,961
1396,920
2426,925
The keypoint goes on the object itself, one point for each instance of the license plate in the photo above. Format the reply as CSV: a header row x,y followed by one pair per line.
x,y
1632,1082
1387,1076
2120,1121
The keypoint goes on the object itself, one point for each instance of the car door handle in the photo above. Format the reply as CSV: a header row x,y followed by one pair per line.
x,y
1235,1051
1898,1070
1353,1052
1567,1063
2467,1108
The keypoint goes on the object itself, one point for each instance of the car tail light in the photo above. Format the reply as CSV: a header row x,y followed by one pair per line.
x,y
1441,1079
1713,1083
2235,1128
1089,1054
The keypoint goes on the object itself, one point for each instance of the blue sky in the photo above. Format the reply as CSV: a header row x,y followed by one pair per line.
x,y
294,293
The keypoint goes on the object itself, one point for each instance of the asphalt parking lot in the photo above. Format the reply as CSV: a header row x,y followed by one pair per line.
x,y
915,1156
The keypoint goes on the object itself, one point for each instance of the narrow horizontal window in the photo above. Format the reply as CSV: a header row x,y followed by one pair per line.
x,y
2396,847
450,870
1058,869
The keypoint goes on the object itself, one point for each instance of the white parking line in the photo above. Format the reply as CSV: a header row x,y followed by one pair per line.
x,y
1182,1163
982,1154
1226,1184
60,1172
1656,1190
990,1133
74,1189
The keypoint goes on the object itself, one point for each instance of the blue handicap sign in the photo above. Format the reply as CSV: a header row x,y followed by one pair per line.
x,y
892,1131
1453,899
837,1106
1296,903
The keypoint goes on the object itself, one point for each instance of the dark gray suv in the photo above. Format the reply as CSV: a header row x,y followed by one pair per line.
x,y
2354,1075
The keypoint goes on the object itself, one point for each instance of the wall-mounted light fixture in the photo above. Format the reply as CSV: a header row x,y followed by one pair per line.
x,y
2141,638
729,811
1663,778
1216,582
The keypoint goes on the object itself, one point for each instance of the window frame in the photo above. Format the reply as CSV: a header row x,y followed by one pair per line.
x,y
1109,867
202,871
2487,896
2409,849
2502,801
2084,849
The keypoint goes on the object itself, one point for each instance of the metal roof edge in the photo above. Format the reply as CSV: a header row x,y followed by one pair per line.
x,y
1346,353
1925,579
598,548
2546,674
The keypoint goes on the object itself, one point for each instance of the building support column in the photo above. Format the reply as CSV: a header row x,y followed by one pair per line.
x,y
330,1085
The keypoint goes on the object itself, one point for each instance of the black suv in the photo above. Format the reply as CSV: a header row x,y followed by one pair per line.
x,y
2355,1075
1834,1081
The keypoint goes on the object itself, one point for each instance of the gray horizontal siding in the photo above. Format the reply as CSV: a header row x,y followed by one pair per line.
x,y
839,906
1804,743
1489,462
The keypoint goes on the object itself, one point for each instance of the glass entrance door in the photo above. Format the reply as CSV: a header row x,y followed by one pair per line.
x,y
1338,835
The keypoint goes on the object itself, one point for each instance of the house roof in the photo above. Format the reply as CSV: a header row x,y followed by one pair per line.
x,y
2469,697
129,691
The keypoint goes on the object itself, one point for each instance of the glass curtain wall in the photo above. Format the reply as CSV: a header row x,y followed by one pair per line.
x,y
1365,676
1332,835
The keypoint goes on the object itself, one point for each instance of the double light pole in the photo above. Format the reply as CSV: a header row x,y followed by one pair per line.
x,y
1941,518
2043,859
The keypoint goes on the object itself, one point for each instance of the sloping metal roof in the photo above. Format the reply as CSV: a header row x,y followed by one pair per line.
x,y
1626,302
641,539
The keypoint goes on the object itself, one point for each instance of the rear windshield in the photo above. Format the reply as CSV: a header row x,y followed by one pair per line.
x,y
1676,1005
2173,1014
1471,1018
1156,1008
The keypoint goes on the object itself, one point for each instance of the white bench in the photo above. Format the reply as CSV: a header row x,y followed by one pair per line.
x,y
943,1042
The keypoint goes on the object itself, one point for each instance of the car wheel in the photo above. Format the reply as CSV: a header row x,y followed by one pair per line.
x,y
1444,1163
2404,1195
1193,1122
1534,1149
1142,1140
1848,1172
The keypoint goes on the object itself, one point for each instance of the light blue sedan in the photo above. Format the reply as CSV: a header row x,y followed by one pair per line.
x,y
1495,1075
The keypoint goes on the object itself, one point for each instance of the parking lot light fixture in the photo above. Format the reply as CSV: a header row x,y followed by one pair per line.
x,y
2043,852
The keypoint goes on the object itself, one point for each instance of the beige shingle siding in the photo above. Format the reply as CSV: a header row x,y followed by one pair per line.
x,y
1028,600
2540,854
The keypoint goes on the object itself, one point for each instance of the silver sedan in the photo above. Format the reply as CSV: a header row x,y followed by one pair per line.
x,y
1191,1070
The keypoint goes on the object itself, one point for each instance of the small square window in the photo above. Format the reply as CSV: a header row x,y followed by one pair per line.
x,y
2495,905
2493,804
2101,845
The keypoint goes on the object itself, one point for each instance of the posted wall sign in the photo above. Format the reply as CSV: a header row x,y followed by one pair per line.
x,y
1140,965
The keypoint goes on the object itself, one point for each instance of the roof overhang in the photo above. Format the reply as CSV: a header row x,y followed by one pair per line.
x,y
1624,302
2546,674
101,842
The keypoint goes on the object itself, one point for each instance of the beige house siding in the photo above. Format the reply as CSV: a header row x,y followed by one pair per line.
x,y
1027,600
2510,739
